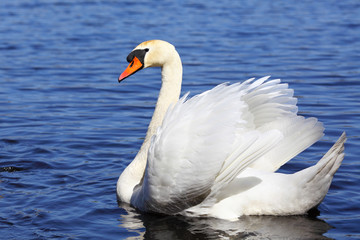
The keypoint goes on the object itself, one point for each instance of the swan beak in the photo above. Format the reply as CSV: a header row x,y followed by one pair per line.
x,y
134,66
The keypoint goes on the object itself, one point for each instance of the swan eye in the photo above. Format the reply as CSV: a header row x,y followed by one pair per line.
x,y
139,53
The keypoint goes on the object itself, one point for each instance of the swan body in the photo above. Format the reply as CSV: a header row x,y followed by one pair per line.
x,y
216,153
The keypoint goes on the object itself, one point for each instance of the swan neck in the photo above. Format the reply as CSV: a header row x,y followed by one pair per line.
x,y
169,94
171,78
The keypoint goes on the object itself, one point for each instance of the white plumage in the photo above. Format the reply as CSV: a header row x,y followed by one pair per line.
x,y
215,154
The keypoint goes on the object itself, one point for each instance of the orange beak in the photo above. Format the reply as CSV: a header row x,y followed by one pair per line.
x,y
133,67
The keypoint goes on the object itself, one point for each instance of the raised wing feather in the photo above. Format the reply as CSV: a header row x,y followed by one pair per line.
x,y
189,148
206,141
273,107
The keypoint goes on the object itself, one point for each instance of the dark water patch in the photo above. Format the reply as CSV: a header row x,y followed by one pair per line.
x,y
5,222
25,164
8,47
10,141
10,169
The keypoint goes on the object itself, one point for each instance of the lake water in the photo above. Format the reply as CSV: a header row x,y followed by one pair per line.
x,y
68,129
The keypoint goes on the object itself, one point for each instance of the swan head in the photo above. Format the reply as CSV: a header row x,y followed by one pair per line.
x,y
152,53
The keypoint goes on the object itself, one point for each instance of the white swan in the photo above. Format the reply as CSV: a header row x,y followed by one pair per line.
x,y
216,154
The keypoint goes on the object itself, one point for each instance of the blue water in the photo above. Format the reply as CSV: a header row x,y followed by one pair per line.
x,y
68,129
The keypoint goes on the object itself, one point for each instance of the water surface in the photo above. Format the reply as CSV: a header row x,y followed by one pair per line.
x,y
68,129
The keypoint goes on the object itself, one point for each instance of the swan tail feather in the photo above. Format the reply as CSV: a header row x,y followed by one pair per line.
x,y
331,161
315,181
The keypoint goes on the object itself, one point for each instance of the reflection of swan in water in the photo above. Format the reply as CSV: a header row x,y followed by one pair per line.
x,y
132,222
149,226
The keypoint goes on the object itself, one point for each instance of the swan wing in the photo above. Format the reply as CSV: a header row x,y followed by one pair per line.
x,y
273,106
272,111
203,143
